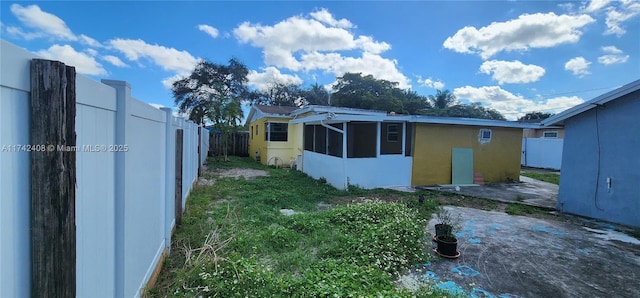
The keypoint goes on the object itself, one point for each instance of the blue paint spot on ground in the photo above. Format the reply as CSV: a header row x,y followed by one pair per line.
x,y
465,270
427,264
548,230
492,232
450,287
474,240
557,246
495,225
460,234
430,275
478,292
507,296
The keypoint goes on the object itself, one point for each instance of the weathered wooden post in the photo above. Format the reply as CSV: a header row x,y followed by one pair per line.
x,y
53,179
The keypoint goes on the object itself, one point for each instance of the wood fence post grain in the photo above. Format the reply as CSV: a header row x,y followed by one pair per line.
x,y
53,179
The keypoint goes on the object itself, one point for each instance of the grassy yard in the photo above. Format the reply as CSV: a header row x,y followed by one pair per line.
x,y
234,242
547,177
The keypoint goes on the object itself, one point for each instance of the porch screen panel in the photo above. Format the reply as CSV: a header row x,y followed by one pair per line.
x,y
361,139
308,137
320,145
408,140
335,141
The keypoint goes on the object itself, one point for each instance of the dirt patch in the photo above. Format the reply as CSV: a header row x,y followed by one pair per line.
x,y
239,172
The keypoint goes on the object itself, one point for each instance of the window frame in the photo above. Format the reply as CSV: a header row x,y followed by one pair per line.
x,y
544,134
482,135
396,133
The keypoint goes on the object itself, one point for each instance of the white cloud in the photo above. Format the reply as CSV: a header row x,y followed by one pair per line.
x,y
616,16
89,41
168,58
435,84
115,61
367,64
320,42
512,72
211,31
527,31
32,16
613,56
578,66
83,63
45,24
611,50
612,59
168,82
262,80
323,15
511,105
595,5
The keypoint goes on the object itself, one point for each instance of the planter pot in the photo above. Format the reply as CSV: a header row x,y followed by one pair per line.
x,y
441,230
447,247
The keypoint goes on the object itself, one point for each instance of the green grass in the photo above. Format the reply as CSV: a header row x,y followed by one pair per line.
x,y
547,177
233,241
520,209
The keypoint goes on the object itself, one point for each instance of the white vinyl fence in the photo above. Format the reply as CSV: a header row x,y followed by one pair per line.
x,y
542,153
125,194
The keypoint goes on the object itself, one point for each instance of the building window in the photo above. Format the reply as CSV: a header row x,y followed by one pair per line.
x,y
257,129
484,136
550,134
276,132
392,133
252,132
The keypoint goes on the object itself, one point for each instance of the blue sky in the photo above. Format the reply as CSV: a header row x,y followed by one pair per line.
x,y
513,56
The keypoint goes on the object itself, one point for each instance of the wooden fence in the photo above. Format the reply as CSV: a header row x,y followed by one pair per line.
x,y
238,143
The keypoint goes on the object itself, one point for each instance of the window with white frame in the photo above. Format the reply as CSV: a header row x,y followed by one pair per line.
x,y
485,135
276,132
550,134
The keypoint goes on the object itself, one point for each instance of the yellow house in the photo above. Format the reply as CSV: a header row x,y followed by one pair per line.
x,y
272,140
374,149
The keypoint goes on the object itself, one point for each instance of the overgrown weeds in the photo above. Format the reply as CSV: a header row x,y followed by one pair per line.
x,y
234,242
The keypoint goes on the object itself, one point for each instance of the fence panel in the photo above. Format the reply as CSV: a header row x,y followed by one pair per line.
x,y
542,153
238,143
125,187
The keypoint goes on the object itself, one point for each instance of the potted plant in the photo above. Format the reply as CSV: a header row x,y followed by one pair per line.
x,y
447,243
444,223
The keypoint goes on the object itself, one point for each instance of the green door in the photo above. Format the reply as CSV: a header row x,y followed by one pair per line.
x,y
462,166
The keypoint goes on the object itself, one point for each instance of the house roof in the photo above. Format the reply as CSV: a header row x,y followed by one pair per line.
x,y
328,114
598,101
261,111
275,110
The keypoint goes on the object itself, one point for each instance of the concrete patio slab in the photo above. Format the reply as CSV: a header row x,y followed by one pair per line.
x,y
516,256
527,191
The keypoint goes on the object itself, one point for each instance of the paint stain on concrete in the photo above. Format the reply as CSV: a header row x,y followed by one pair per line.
x,y
492,232
450,287
474,240
479,292
430,275
550,230
465,271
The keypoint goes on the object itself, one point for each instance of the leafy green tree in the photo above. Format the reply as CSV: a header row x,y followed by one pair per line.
x,y
535,116
442,99
366,92
414,103
316,95
213,93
